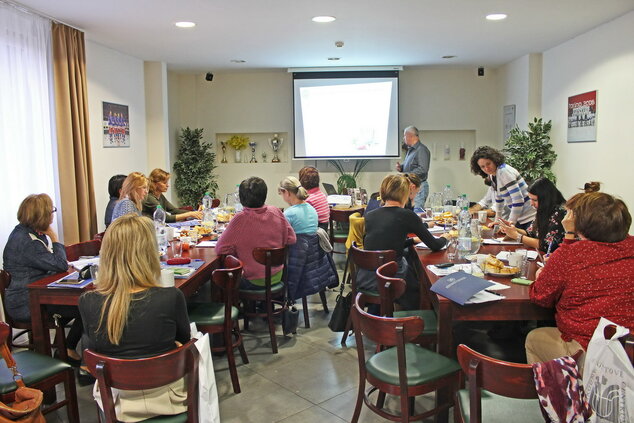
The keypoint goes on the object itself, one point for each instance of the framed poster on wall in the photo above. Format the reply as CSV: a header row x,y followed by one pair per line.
x,y
116,125
582,117
509,120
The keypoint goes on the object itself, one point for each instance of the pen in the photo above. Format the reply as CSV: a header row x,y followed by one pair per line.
x,y
494,293
550,246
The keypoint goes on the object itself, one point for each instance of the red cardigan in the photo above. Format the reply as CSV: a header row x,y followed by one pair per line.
x,y
260,227
586,280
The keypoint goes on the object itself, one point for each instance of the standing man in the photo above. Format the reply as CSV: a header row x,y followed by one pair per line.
x,y
416,162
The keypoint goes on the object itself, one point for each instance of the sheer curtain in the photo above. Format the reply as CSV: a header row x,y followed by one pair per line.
x,y
27,152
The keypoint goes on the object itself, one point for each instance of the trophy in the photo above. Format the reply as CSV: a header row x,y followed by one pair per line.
x,y
224,152
252,144
276,143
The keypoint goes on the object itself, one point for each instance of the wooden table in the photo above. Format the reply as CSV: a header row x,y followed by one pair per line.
x,y
516,305
40,294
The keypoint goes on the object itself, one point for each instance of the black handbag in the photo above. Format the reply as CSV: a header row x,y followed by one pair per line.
x,y
290,319
340,314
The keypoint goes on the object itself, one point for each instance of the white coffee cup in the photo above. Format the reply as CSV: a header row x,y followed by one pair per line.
x,y
167,278
482,216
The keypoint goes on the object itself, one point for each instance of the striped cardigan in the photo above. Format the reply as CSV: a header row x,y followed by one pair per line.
x,y
511,191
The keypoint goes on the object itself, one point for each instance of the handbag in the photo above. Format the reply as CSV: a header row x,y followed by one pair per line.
x,y
28,401
341,313
290,319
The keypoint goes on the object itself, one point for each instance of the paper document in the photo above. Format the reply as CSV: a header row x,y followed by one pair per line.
x,y
83,262
207,244
461,287
423,245
484,297
500,241
497,286
464,267
504,255
437,230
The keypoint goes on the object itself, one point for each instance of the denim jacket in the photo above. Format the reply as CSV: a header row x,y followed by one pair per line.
x,y
29,256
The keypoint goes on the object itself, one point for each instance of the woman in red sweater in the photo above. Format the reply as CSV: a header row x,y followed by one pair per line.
x,y
590,276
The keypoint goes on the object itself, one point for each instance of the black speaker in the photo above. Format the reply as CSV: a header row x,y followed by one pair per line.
x,y
480,72
209,77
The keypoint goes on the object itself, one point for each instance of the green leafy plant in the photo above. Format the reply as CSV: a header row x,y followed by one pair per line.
x,y
348,180
194,167
530,152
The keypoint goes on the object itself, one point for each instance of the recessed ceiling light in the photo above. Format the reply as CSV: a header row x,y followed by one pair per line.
x,y
334,58
237,61
185,24
324,19
448,57
496,16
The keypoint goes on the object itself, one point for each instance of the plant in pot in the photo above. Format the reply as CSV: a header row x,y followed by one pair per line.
x,y
348,180
194,167
530,152
238,143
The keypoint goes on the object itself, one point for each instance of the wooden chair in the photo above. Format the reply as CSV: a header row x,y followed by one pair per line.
x,y
391,288
368,260
406,371
339,217
499,391
39,372
271,295
99,236
87,248
222,317
147,373
25,327
324,303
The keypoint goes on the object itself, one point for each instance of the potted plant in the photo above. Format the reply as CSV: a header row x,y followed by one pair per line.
x,y
194,167
348,180
530,152
238,143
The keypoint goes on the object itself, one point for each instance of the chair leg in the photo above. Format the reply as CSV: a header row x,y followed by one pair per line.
x,y
70,391
358,404
269,313
243,353
404,407
411,405
324,302
346,331
233,371
305,309
380,399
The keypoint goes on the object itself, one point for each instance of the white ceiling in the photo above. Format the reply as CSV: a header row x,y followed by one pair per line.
x,y
280,33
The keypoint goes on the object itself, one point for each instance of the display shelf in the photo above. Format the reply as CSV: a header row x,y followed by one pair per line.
x,y
262,146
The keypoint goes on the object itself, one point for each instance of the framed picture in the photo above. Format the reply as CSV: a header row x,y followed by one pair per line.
x,y
509,120
116,125
582,117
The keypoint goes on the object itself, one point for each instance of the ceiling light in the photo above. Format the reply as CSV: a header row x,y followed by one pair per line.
x,y
324,19
185,24
334,58
449,56
237,61
496,16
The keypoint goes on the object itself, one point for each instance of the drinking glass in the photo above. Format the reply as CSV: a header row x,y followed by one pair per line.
x,y
94,271
177,247
428,213
452,249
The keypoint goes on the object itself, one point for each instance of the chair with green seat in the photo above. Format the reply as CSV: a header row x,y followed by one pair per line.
x,y
214,317
147,373
271,295
391,288
368,260
407,370
39,372
499,391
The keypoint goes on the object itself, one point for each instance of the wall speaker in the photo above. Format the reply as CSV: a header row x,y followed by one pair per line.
x,y
209,77
480,72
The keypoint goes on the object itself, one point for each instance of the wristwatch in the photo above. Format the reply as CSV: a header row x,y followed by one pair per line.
x,y
520,238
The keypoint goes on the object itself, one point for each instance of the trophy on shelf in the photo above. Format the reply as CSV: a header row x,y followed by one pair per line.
x,y
224,152
252,144
264,157
276,143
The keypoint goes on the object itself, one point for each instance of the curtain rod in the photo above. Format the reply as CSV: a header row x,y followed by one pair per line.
x,y
27,9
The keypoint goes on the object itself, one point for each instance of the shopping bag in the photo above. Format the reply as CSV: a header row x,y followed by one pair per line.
x,y
609,377
208,411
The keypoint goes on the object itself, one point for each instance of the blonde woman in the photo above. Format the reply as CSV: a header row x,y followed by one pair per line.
x,y
133,191
159,181
130,316
301,215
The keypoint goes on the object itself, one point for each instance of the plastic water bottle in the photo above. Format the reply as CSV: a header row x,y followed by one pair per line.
x,y
238,205
464,218
208,214
207,200
159,227
447,199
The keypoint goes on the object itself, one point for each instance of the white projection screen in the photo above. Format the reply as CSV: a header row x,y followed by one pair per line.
x,y
345,114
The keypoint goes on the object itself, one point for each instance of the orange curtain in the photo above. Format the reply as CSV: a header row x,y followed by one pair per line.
x,y
79,215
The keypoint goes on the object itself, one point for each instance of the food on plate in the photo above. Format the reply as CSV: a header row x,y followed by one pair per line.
x,y
494,265
202,230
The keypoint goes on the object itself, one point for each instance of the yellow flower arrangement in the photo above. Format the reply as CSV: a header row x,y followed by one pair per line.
x,y
238,142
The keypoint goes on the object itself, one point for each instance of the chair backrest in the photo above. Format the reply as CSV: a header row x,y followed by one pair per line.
x,y
87,248
367,259
389,287
146,373
228,280
429,299
5,332
270,257
5,281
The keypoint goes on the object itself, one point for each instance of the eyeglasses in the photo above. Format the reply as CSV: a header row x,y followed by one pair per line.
x,y
54,209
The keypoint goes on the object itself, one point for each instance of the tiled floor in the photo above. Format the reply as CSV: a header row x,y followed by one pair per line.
x,y
311,379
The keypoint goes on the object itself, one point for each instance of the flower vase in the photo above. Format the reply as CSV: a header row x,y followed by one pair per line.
x,y
238,156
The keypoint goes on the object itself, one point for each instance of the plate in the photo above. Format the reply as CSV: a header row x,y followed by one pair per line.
x,y
502,275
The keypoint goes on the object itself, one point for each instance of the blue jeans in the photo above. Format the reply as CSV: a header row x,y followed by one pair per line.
x,y
421,197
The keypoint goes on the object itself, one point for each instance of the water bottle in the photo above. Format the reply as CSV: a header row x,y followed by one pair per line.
x,y
238,205
464,218
464,236
447,199
207,200
208,215
159,227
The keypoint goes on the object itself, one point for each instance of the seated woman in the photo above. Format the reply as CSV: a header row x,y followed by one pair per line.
x,y
309,178
546,231
130,316
585,279
257,225
414,188
301,215
32,252
386,228
508,186
133,191
114,190
159,181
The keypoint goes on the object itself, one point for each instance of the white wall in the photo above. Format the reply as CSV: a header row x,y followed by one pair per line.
x,y
446,102
602,60
116,78
520,84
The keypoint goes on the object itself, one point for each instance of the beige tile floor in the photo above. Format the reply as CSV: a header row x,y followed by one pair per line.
x,y
311,379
